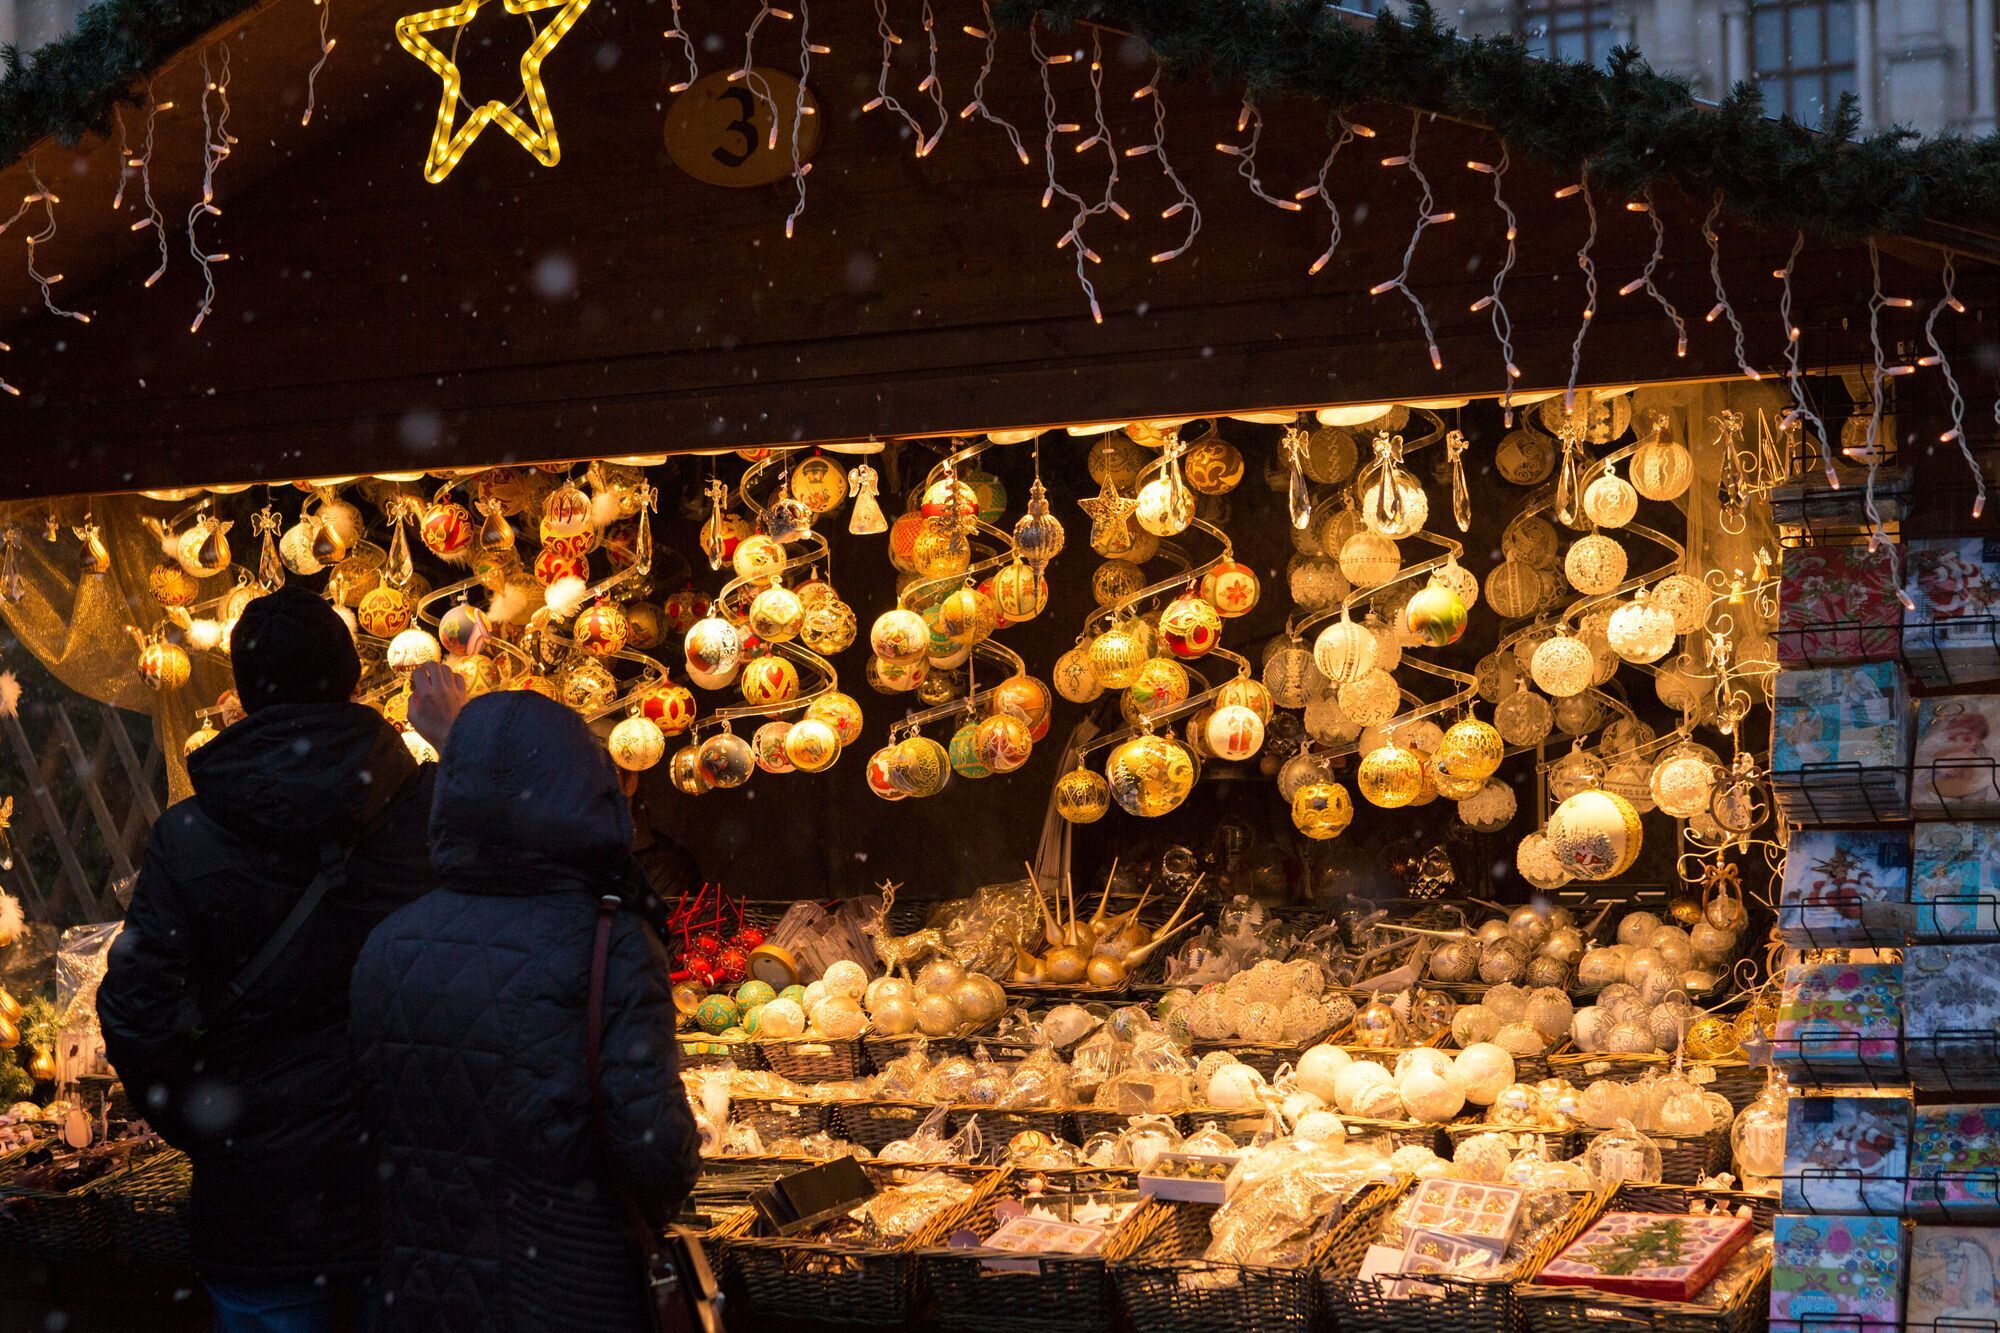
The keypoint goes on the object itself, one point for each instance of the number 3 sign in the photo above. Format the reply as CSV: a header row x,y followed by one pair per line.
x,y
721,132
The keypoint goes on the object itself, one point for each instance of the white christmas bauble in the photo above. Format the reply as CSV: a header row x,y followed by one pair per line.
x,y
1610,501
781,1020
1352,1084
1421,1057
1483,1069
1431,1096
1537,862
1344,652
1595,835
1368,559
1595,564
1489,809
1318,1068
1234,1087
1641,632
846,977
1371,700
839,1018
1562,666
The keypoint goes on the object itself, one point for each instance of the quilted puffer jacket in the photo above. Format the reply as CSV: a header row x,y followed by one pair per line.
x,y
469,1005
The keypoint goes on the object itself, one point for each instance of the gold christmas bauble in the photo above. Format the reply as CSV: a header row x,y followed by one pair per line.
x,y
1117,656
1149,775
1390,776
636,743
840,712
820,483
811,745
966,616
1190,627
1115,580
900,637
1475,750
829,626
919,767
601,629
1514,589
1162,684
1712,1038
1322,810
1082,797
173,586
1024,697
670,707
684,770
1244,692
589,686
941,550
1213,467
1115,460
383,613
768,680
1018,592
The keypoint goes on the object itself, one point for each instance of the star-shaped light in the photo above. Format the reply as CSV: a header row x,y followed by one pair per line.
x,y
448,144
1110,517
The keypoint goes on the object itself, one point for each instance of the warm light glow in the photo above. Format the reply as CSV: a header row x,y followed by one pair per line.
x,y
449,144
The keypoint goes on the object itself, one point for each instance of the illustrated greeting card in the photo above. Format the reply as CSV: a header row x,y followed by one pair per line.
x,y
1955,880
1665,1256
1953,635
1954,1163
1840,715
1840,1022
1838,604
1846,1154
1954,1279
1957,765
1837,1272
1951,1014
1832,878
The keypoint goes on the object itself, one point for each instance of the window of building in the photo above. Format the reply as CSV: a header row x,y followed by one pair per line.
x,y
1566,29
1803,54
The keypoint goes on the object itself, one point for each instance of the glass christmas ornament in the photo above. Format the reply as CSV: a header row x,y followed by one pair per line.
x,y
1447,782
1082,797
1561,666
840,712
757,557
966,616
1459,579
1115,461
820,483
1489,809
1165,505
899,637
811,745
1116,580
411,649
948,497
877,774
1514,589
1435,615
1578,715
787,520
1475,747
1316,582
1117,656
1073,677
829,627
1214,467
1334,521
719,538
601,630
1523,718
1344,651
1024,697
903,541
1003,743
1162,684
1388,646
963,753
894,677
1231,588
768,680
1307,766
1393,502
1531,540
1661,469
1368,559
919,766
1326,724
1641,632
1595,835
725,760
942,549
1288,674
383,613
1190,627
1595,564
1680,691
1536,859
1234,733
1328,455
1038,534
1609,501
1631,779
1371,700
1579,770
1245,692
1149,775
1499,675
1683,781
1018,592
1390,776
776,614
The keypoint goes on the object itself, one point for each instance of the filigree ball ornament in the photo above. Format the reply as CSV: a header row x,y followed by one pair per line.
x,y
1344,652
669,707
1390,776
1328,455
1326,724
1371,700
1289,674
1661,469
919,767
636,744
1595,564
1368,559
1115,580
811,745
1118,655
1685,598
1523,718
1247,693
1489,809
1190,627
1610,501
1073,677
1316,582
1631,779
1536,859
1149,776
1436,615
1641,632
725,760
1115,461
164,666
1234,733
1082,797
1683,782
1595,835
1579,770
1231,587
1514,589
830,626
1475,747
1562,666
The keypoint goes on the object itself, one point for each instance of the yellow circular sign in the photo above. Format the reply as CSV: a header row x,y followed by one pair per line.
x,y
737,132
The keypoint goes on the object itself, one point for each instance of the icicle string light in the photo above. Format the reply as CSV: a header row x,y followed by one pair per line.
x,y
1323,192
1722,306
1878,534
47,199
1158,149
1588,265
799,113
27,202
1246,156
325,50
1503,323
1948,300
990,33
127,164
1055,188
154,218
933,85
1801,409
679,33
883,97
1401,282
747,75
1644,282
216,141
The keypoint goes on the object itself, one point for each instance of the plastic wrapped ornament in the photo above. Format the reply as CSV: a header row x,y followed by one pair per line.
x,y
1562,666
1757,1138
1622,1156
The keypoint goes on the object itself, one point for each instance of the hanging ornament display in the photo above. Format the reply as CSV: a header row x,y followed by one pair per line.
x,y
1322,810
1390,776
1562,666
1609,501
1082,797
1149,776
1595,835
1595,564
1393,502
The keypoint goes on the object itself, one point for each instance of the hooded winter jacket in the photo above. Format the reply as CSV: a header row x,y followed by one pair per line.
x,y
263,1104
498,1208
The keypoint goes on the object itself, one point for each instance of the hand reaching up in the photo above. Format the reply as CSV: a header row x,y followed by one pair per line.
x,y
437,696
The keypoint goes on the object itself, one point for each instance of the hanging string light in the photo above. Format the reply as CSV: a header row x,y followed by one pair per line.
x,y
990,34
1801,409
1401,282
1722,306
679,33
1644,282
46,281
1349,132
884,98
801,108
1503,323
746,73
325,8
144,166
1109,204
1588,265
1949,301
1880,371
1250,118
1158,149
1055,187
216,141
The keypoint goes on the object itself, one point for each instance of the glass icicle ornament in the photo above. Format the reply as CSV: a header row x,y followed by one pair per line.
x,y
1461,497
1393,502
1595,564
1298,496
1569,485
271,566
866,517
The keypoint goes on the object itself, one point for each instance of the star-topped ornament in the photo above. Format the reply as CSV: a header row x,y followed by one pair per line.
x,y
448,144
1110,517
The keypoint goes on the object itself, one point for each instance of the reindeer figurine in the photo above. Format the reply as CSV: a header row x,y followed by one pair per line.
x,y
898,952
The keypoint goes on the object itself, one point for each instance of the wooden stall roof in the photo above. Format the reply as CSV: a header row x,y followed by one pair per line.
x,y
368,321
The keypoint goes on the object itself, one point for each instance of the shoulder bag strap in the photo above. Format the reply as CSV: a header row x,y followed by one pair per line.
x,y
681,1291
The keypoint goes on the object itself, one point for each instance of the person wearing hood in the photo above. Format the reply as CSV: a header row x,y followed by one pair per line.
x,y
508,1180
224,1003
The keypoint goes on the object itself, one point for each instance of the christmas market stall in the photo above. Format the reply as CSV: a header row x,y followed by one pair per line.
x,y
1321,676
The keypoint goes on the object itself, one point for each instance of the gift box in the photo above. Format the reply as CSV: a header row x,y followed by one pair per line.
x,y
1954,1163
1480,1212
1662,1256
1846,1154
1954,1279
1837,1273
1953,634
1957,766
1951,1015
1840,743
1838,604
1955,881
1840,1022
1837,884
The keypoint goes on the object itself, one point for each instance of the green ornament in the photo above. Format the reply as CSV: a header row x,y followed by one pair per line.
x,y
716,1014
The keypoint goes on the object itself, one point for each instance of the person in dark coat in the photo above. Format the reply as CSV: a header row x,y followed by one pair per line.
x,y
284,1213
499,1210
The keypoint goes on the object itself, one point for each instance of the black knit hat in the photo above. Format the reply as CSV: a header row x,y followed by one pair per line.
x,y
291,647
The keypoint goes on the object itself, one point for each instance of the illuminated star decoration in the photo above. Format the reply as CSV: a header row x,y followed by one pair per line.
x,y
448,145
1110,517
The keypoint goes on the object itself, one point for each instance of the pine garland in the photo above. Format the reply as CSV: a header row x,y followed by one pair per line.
x,y
1631,125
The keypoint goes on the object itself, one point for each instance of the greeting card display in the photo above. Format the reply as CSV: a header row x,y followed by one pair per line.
x,y
1953,635
1664,1256
1846,1154
1838,604
1837,1273
1954,1279
1840,1022
1954,1163
1840,743
1957,764
1955,881
1836,881
1951,1015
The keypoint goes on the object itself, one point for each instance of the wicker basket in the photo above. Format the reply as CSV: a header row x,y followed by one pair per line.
x,y
701,1051
1576,1310
1400,1133
814,1060
1091,1120
1165,1286
1686,1158
1467,1305
1734,1079
805,1277
1068,1293
60,1226
1556,1144
874,1125
999,1124
786,1117
146,1211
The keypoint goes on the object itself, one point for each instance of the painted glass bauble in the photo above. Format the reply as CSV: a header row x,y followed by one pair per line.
x,y
811,745
942,549
900,636
1368,559
1344,651
588,686
412,648
1162,684
966,616
1523,718
758,557
1234,733
1595,564
768,680
1073,677
1325,723
1214,467
951,497
1536,860
725,760
820,483
1436,615
1562,666
713,646
829,627
684,608
1246,693
990,493
840,712
1024,697
636,744
877,774
1082,797
480,674
919,767
1307,766
1322,810
551,566
1595,835
172,586
1165,505
1038,536
962,752
601,630
1641,632
669,707
566,513
1115,461
1390,776
684,771
1631,779
1002,742
645,626
1117,656
383,613
1288,675
1018,592
903,535
1328,455
1514,589
446,529
1149,775
1190,627
1661,469
1371,700
165,666
789,519
1610,501
776,614
1231,588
